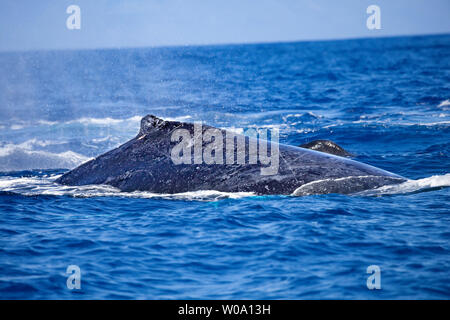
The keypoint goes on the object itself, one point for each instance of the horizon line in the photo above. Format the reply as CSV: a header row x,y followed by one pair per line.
x,y
219,44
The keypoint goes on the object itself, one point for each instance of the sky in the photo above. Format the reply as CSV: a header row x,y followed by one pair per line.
x,y
41,25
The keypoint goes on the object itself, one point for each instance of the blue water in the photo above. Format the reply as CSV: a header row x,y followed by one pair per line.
x,y
384,100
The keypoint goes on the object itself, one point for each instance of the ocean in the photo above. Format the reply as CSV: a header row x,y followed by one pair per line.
x,y
385,100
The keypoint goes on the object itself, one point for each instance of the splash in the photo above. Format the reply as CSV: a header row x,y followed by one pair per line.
x,y
412,186
23,157
444,103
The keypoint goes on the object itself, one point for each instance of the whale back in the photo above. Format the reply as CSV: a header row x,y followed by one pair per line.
x,y
145,163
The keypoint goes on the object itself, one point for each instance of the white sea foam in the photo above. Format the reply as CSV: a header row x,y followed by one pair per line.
x,y
389,123
16,127
108,121
29,145
103,121
181,118
22,157
234,130
243,131
49,152
444,103
113,121
35,186
411,186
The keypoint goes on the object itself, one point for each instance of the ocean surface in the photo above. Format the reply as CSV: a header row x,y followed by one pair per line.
x,y
385,100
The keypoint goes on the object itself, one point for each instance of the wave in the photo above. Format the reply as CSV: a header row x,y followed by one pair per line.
x,y
390,123
108,121
298,119
22,157
411,186
84,121
444,103
65,144
102,121
46,185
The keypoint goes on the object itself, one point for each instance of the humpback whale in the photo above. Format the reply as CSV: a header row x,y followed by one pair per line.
x,y
147,163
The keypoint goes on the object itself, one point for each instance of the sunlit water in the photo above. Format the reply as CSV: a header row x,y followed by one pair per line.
x,y
386,100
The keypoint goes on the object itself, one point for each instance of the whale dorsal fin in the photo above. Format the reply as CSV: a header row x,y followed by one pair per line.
x,y
326,146
149,123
